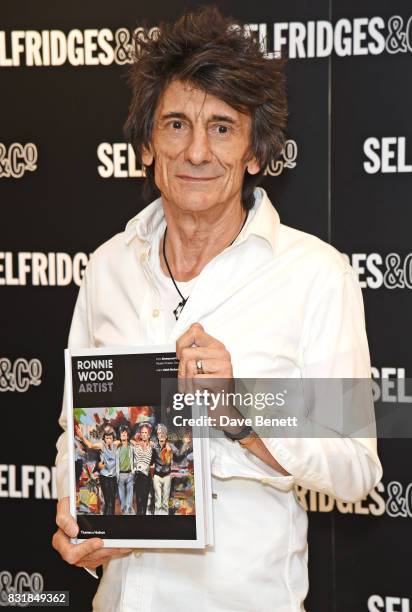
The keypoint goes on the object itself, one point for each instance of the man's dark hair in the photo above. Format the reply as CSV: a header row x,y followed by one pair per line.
x,y
217,55
126,429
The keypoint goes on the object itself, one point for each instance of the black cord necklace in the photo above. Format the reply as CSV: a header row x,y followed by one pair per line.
x,y
177,311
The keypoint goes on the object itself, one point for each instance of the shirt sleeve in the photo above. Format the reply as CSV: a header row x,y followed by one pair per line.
x,y
79,337
333,345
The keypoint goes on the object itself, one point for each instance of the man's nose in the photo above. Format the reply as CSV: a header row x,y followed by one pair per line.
x,y
198,148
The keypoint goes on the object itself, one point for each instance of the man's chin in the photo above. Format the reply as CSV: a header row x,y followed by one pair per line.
x,y
196,202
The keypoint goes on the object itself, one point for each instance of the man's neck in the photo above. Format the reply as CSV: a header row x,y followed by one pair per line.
x,y
195,238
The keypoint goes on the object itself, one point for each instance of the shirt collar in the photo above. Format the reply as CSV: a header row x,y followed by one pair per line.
x,y
265,222
145,223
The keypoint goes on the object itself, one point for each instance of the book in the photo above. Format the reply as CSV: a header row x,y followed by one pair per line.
x,y
139,474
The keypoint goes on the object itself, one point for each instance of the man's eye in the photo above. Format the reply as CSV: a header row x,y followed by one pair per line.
x,y
222,129
176,125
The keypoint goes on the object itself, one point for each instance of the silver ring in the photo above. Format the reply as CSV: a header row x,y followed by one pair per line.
x,y
199,366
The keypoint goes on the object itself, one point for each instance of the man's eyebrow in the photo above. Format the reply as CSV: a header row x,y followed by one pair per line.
x,y
174,115
223,118
179,115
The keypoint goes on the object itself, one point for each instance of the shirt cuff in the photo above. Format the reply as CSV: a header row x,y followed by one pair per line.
x,y
92,572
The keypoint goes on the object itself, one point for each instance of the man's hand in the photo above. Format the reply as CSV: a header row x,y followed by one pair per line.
x,y
187,439
88,554
196,345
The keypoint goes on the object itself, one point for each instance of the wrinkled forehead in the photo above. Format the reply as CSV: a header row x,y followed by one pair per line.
x,y
182,97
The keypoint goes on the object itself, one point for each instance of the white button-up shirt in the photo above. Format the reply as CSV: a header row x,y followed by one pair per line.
x,y
285,304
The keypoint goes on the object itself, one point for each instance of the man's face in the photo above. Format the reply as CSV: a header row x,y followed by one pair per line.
x,y
123,436
144,434
108,438
201,148
162,438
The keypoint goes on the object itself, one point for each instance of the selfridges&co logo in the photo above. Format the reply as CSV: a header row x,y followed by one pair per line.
x,y
386,155
389,385
16,159
287,159
389,603
391,271
41,269
27,481
91,47
119,161
21,582
393,499
295,39
345,37
19,375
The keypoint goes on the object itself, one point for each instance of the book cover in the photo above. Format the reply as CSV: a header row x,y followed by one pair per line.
x,y
137,477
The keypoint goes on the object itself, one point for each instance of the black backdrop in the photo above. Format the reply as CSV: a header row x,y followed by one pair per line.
x,y
67,183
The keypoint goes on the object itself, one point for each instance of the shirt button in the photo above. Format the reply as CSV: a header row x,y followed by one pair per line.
x,y
156,312
137,553
143,258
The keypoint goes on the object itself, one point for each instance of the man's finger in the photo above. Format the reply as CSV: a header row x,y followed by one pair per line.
x,y
203,352
72,553
104,554
64,519
67,524
194,335
210,368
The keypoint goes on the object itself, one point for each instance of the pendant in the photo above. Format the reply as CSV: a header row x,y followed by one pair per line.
x,y
177,311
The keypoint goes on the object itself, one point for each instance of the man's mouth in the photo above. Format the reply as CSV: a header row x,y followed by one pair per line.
x,y
195,179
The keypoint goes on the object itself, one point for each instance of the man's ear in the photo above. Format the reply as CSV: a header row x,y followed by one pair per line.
x,y
252,166
147,156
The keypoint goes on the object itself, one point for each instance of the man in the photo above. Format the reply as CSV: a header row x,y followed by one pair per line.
x,y
210,265
164,452
125,470
107,478
143,456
